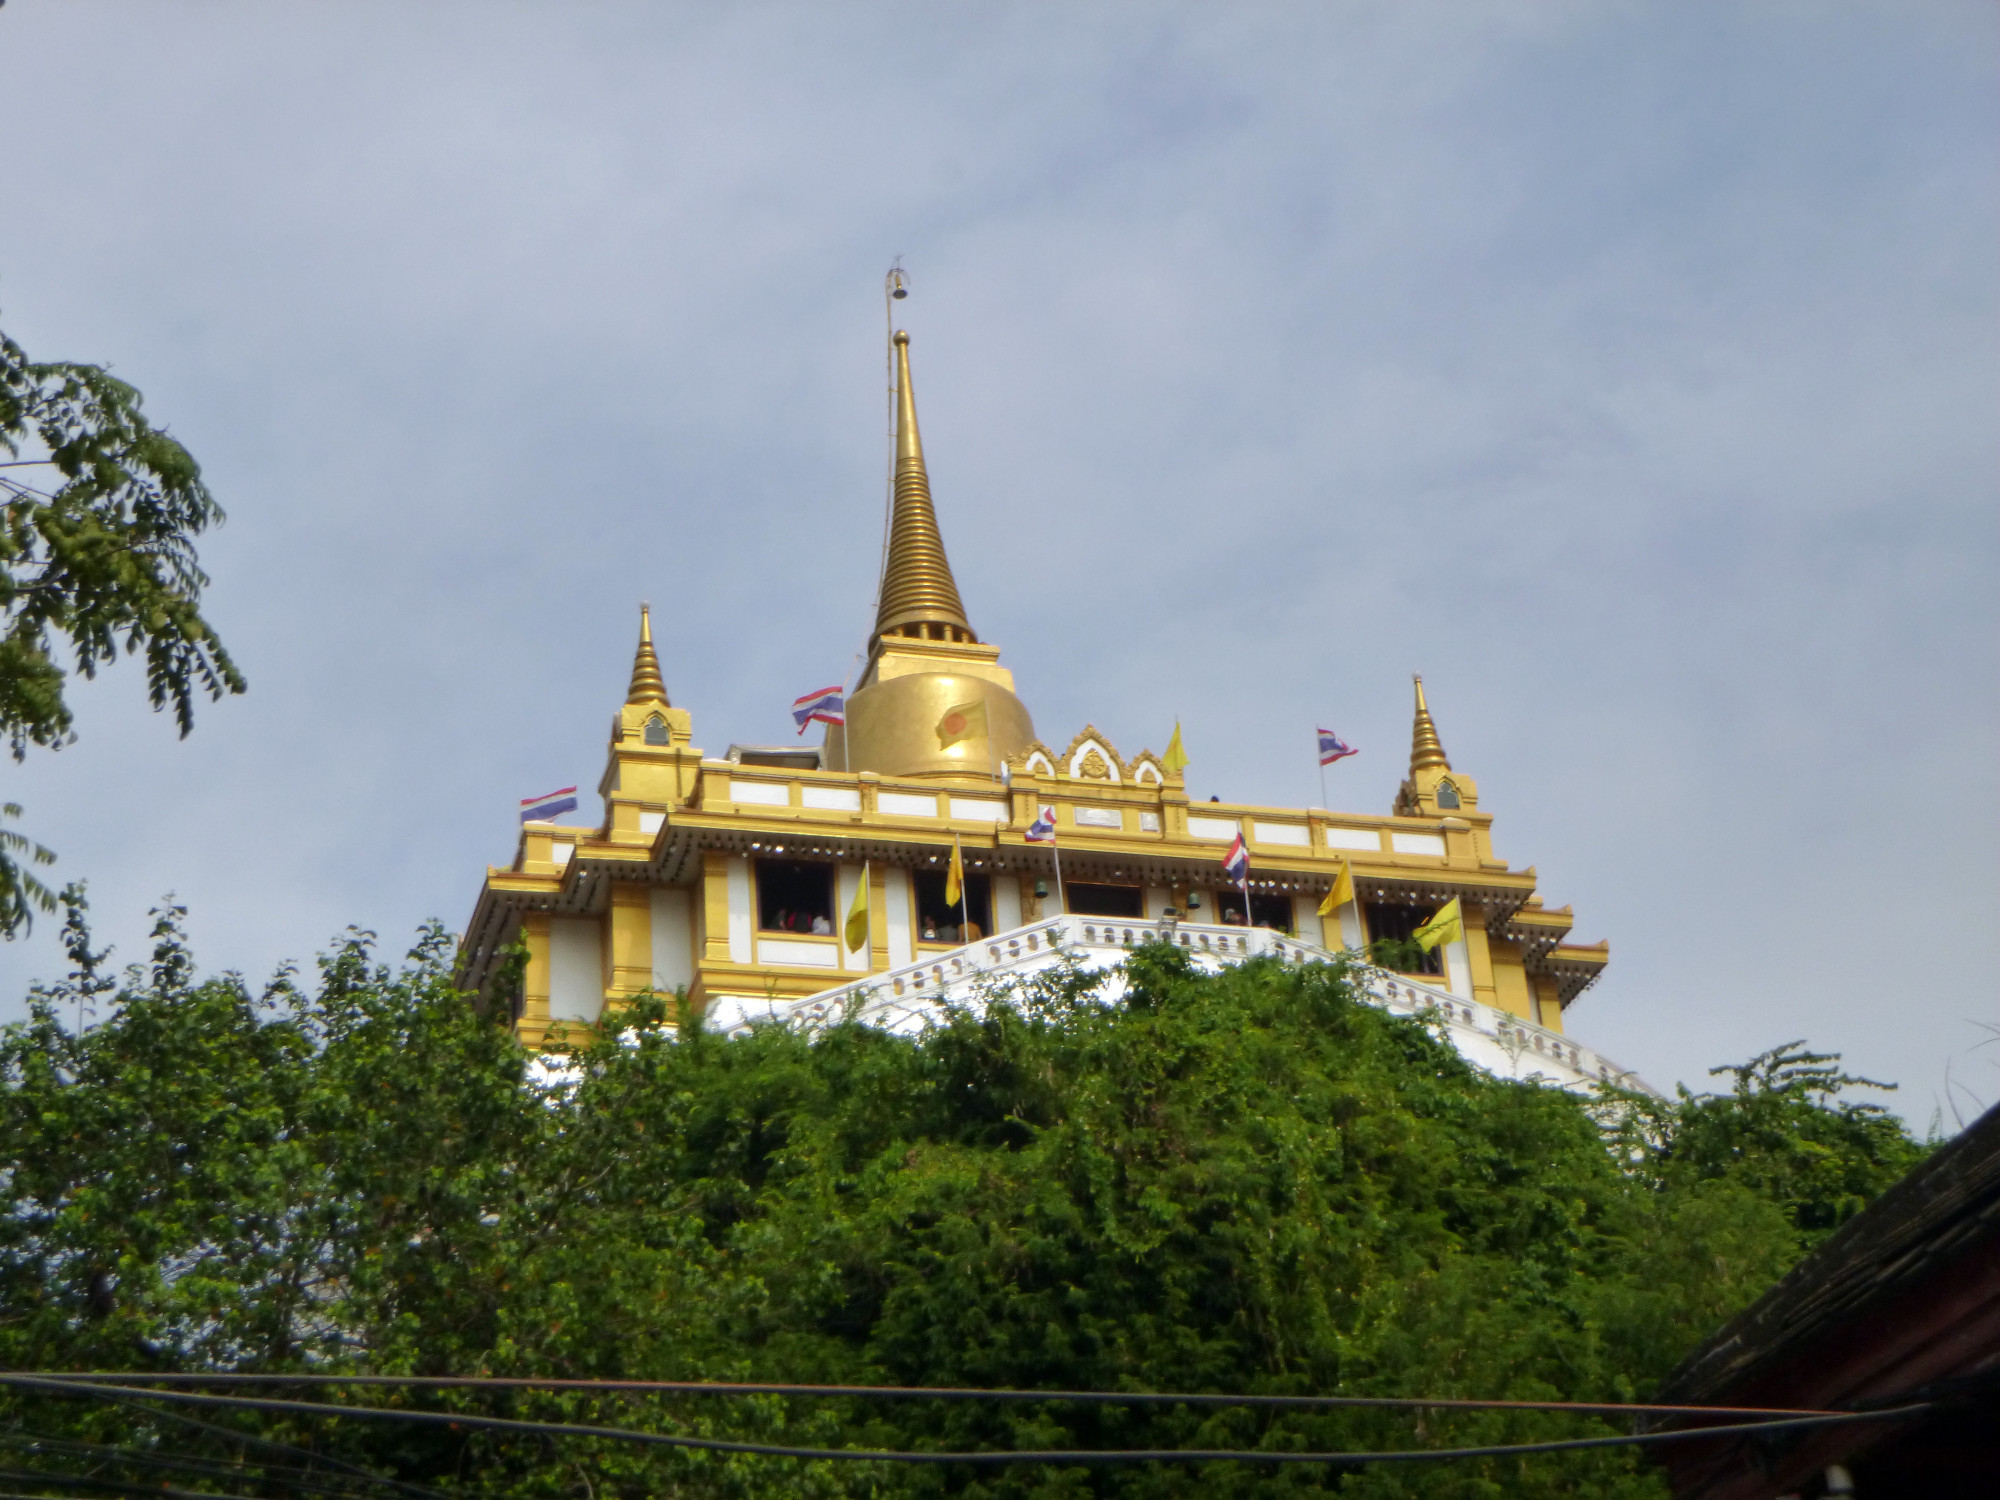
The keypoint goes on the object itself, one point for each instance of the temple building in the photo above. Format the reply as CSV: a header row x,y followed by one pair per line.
x,y
730,879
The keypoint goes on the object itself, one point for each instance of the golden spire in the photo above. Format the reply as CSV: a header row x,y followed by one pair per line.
x,y
647,684
917,586
1424,747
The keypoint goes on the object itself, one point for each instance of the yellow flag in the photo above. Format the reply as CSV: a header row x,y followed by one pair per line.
x,y
1342,892
1447,925
962,721
954,880
1175,760
856,931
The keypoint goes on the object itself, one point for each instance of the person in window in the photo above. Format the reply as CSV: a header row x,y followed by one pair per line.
x,y
1232,918
783,921
930,930
823,927
972,932
948,933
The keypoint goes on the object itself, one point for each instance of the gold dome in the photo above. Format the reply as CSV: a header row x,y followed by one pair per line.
x,y
902,726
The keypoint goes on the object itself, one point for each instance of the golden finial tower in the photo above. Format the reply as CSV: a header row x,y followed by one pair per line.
x,y
1425,749
919,597
925,664
1432,787
647,684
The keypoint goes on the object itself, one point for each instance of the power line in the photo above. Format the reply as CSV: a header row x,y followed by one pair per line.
x,y
305,1481
138,1378
256,1440
462,1420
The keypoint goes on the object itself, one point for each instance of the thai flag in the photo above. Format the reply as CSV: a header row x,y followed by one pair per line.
x,y
828,706
1043,829
1236,863
1331,749
542,809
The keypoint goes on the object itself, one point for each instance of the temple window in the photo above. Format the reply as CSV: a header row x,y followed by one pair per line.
x,y
1447,794
794,895
1391,937
1089,900
656,731
1274,912
939,922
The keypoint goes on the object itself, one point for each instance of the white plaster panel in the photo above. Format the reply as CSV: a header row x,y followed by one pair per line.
x,y
1350,926
797,953
1305,917
1006,902
1098,817
1458,969
673,939
652,822
560,853
831,798
1296,834
737,884
761,793
1354,838
576,969
978,809
1417,843
1220,829
896,902
1156,902
846,880
906,805
1149,822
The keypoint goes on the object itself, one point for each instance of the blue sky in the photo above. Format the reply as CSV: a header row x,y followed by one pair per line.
x,y
1629,370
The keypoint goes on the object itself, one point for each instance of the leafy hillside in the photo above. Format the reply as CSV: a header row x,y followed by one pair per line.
x,y
1248,1182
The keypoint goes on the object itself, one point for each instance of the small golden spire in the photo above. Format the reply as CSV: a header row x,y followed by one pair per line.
x,y
1424,747
647,684
917,586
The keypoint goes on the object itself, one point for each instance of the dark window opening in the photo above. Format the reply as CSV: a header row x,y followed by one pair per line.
x,y
1447,794
656,731
939,923
1087,900
794,895
1390,937
1274,912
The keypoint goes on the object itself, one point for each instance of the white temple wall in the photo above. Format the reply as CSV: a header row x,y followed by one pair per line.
x,y
576,973
673,938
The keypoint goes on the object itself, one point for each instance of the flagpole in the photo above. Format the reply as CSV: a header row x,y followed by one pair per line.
x,y
964,894
1055,851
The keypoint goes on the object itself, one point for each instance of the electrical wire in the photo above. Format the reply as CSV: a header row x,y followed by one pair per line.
x,y
113,1486
256,1440
139,1378
301,1480
463,1421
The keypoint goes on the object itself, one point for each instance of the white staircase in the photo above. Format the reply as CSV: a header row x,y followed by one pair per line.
x,y
912,997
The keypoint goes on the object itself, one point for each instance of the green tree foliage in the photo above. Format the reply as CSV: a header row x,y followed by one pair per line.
x,y
1242,1182
99,511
